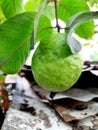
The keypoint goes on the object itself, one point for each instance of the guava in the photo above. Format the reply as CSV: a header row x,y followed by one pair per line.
x,y
54,66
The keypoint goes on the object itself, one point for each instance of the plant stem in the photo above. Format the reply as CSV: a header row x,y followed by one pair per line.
x,y
56,16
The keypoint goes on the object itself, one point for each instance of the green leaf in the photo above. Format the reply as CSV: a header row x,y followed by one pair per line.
x,y
2,17
74,44
75,21
42,24
44,28
68,8
49,10
86,30
12,7
0,2
15,36
38,17
31,6
81,17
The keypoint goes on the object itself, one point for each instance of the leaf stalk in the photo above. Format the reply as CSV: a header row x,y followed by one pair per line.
x,y
56,16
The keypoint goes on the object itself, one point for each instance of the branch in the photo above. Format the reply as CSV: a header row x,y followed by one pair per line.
x,y
56,15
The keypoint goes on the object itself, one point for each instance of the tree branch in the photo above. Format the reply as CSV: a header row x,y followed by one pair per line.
x,y
56,15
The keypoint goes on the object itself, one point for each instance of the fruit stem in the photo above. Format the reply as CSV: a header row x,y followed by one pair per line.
x,y
56,16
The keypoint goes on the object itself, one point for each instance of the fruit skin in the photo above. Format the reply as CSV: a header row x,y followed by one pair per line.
x,y
54,67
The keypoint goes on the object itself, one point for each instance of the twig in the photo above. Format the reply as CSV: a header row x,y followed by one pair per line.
x,y
56,15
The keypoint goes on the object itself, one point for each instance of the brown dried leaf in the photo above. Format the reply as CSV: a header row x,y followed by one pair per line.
x,y
4,95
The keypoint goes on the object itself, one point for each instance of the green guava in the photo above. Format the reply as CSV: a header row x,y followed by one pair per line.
x,y
54,66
